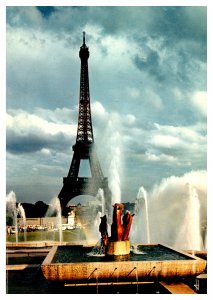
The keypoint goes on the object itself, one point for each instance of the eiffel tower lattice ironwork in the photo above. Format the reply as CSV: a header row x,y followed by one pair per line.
x,y
84,148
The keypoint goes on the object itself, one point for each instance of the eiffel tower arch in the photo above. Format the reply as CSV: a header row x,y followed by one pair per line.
x,y
84,148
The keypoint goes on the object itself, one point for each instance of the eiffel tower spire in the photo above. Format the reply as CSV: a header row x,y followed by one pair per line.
x,y
84,148
85,132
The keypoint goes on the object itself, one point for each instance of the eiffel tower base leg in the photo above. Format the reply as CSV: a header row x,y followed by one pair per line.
x,y
83,186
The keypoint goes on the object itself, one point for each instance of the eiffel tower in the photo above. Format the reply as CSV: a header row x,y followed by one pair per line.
x,y
84,148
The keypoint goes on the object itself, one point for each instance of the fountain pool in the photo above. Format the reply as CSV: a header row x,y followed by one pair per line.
x,y
118,261
72,263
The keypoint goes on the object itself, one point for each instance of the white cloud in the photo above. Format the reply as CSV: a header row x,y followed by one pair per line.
x,y
133,92
161,157
24,123
115,45
58,115
177,93
25,16
99,111
43,87
45,151
189,134
177,146
166,141
130,119
199,100
152,98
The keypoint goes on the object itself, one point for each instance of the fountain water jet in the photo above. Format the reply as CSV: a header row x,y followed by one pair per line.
x,y
114,156
191,222
114,175
141,229
97,209
179,202
21,211
55,208
138,221
12,210
100,197
175,203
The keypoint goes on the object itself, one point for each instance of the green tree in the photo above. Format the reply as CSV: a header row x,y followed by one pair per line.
x,y
9,220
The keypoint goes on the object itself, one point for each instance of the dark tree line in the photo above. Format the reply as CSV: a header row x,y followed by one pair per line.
x,y
37,210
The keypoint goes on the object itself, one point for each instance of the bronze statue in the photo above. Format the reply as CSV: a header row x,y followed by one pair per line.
x,y
117,229
127,222
103,230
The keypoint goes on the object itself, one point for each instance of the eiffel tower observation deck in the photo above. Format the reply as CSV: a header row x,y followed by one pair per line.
x,y
84,148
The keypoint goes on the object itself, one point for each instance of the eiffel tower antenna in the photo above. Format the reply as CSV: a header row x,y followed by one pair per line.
x,y
83,37
84,148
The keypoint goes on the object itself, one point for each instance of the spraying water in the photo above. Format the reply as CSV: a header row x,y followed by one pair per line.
x,y
205,240
114,155
141,227
12,210
173,213
177,212
21,211
191,224
97,210
114,176
142,195
95,228
55,208
101,199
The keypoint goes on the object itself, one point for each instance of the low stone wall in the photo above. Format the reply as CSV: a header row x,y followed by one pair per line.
x,y
109,271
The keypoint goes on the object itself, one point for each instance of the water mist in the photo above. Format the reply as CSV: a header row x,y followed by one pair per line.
x,y
190,227
141,227
177,212
12,210
98,210
114,156
101,201
114,176
21,211
55,208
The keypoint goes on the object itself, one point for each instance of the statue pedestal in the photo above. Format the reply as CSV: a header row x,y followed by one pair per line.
x,y
118,247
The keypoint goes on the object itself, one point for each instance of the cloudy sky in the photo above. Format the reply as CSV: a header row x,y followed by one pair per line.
x,y
148,91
